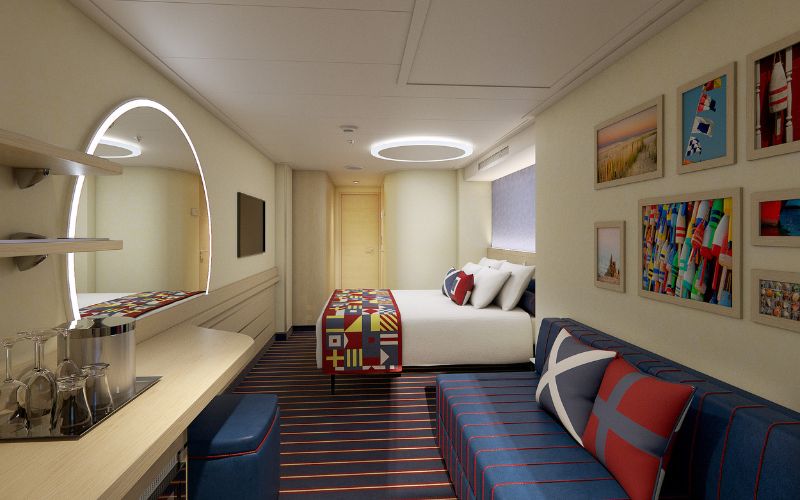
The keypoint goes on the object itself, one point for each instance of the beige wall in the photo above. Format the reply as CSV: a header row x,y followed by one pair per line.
x,y
758,358
62,75
150,210
474,219
283,251
312,245
420,227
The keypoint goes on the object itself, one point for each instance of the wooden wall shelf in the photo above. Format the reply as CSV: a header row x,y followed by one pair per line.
x,y
26,153
21,248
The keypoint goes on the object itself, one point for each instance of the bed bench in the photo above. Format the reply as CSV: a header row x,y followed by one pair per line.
x,y
498,443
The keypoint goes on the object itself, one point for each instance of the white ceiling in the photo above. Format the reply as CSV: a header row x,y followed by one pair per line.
x,y
163,144
287,73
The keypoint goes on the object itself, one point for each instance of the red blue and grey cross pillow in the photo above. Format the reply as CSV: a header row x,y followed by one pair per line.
x,y
458,286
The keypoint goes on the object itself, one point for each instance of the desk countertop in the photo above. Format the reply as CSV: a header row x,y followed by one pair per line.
x,y
195,365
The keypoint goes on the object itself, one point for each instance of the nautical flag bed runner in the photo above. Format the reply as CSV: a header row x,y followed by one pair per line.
x,y
361,332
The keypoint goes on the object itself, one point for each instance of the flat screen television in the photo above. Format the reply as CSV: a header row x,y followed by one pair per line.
x,y
250,228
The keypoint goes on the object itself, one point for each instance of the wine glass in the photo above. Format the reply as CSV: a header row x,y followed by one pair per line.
x,y
41,385
98,391
66,366
13,396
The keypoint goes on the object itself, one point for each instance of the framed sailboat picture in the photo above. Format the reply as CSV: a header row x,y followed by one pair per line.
x,y
775,218
707,121
629,147
609,255
690,250
773,102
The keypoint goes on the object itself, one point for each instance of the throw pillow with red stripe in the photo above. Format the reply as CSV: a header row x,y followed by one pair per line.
x,y
461,288
633,424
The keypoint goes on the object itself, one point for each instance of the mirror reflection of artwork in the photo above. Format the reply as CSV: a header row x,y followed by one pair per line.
x,y
157,207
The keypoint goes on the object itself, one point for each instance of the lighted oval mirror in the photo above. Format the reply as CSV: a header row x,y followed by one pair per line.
x,y
158,207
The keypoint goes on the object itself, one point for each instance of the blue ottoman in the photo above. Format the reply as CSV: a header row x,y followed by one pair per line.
x,y
234,448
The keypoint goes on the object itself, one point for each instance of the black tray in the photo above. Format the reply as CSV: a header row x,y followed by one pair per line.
x,y
141,385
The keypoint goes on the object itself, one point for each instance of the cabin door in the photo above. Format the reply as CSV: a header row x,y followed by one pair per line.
x,y
361,240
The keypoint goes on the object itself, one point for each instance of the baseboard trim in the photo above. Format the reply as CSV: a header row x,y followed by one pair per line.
x,y
304,328
284,335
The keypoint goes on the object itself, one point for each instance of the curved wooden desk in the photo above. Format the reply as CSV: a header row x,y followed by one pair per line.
x,y
195,365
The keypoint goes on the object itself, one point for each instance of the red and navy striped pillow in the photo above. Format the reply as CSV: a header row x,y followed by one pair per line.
x,y
632,426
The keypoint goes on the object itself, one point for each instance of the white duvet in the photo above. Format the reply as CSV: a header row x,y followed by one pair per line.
x,y
438,332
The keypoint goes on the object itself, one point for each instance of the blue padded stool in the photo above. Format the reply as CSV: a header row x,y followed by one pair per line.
x,y
234,448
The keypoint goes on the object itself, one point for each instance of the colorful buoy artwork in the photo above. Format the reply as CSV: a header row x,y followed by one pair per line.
x,y
687,250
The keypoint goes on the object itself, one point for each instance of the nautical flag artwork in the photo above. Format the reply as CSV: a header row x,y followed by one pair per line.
x,y
713,84
361,332
703,126
706,103
706,120
694,147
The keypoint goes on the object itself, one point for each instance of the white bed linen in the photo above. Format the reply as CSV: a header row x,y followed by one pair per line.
x,y
438,332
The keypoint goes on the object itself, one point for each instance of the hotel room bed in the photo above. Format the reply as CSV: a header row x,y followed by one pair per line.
x,y
436,331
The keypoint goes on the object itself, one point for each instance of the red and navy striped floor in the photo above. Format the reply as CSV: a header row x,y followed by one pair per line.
x,y
374,439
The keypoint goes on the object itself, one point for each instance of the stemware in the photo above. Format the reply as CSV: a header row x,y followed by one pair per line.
x,y
71,415
66,366
98,391
41,385
13,397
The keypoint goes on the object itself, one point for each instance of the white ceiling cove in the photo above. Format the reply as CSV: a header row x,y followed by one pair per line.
x,y
287,73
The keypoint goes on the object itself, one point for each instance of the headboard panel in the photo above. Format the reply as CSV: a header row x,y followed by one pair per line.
x,y
513,256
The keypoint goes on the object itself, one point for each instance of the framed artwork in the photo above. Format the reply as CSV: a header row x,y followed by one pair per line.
x,y
690,250
772,99
707,121
776,299
629,147
775,218
609,255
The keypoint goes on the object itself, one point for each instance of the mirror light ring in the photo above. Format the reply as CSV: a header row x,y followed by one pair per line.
x,y
96,139
377,148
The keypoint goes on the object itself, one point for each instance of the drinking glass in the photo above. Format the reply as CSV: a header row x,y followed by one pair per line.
x,y
71,416
13,396
66,366
41,385
98,391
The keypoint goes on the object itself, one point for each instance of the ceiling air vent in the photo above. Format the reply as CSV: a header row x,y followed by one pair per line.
x,y
493,159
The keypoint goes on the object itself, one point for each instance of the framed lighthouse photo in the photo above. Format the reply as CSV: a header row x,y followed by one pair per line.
x,y
690,249
773,100
707,121
609,255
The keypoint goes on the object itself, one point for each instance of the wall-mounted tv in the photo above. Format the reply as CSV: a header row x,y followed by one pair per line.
x,y
250,228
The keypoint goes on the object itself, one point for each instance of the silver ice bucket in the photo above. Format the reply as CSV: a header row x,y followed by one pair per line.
x,y
105,340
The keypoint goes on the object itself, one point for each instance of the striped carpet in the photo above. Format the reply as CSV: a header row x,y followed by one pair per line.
x,y
374,439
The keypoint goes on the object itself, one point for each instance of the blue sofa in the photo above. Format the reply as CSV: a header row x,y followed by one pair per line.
x,y
498,443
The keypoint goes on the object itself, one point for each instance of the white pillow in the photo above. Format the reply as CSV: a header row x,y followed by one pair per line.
x,y
488,283
471,268
493,263
512,290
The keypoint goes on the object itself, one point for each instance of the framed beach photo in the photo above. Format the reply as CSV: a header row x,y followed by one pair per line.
x,y
773,99
707,121
775,218
776,299
609,255
690,250
629,147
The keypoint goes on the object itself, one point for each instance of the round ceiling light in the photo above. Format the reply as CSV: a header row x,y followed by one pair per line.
x,y
353,167
421,149
118,148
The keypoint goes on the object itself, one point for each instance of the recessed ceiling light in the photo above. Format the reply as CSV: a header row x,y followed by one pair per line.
x,y
421,149
353,167
132,149
348,129
355,182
